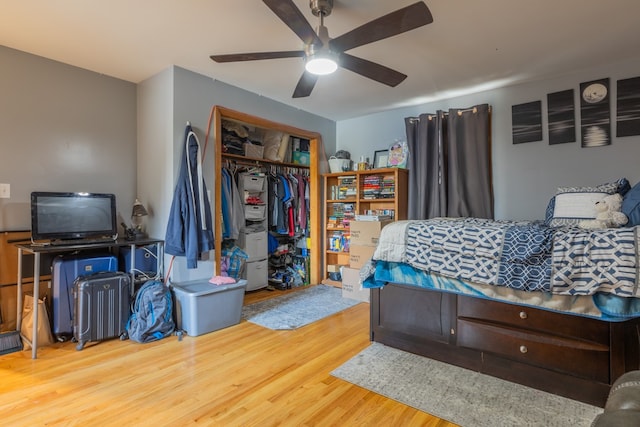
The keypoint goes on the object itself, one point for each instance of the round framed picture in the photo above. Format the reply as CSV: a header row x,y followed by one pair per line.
x,y
398,154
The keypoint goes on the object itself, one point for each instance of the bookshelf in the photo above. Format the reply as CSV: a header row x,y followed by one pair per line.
x,y
363,194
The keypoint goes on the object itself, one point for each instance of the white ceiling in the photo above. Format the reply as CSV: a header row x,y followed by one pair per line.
x,y
472,45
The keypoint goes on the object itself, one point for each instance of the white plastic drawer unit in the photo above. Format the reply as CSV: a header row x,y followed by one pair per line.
x,y
253,183
254,244
257,274
255,212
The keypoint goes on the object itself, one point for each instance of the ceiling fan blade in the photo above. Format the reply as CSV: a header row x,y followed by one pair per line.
x,y
369,69
400,21
289,13
305,85
255,56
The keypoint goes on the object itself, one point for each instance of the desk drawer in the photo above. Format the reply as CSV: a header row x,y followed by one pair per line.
x,y
578,357
521,317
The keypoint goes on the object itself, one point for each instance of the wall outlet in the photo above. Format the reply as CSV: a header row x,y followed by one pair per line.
x,y
5,191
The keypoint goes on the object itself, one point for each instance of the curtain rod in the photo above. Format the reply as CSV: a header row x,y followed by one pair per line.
x,y
446,113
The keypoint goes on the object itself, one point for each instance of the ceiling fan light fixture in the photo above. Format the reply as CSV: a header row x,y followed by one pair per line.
x,y
321,64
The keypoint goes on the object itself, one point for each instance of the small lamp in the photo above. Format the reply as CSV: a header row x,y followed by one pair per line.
x,y
137,213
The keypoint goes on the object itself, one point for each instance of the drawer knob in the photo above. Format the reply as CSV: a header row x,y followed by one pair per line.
x,y
523,315
523,349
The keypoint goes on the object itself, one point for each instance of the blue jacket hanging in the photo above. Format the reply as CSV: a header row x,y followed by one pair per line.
x,y
189,230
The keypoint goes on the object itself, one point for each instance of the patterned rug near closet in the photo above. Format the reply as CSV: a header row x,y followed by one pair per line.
x,y
297,309
458,395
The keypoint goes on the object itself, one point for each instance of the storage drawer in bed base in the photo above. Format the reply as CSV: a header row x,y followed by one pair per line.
x,y
468,343
575,357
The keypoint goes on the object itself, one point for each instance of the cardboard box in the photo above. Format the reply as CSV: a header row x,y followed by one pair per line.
x,y
351,286
366,233
202,307
359,255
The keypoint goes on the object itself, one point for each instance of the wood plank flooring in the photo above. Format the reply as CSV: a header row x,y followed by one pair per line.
x,y
244,375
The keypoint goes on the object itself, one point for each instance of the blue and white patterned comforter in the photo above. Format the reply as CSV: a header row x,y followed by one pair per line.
x,y
523,255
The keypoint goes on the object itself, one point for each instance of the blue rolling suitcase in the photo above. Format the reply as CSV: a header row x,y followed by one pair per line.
x,y
102,304
64,271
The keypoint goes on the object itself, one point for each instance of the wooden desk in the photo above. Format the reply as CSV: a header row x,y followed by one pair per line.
x,y
38,250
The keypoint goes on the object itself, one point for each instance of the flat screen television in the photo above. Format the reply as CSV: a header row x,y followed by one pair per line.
x,y
59,216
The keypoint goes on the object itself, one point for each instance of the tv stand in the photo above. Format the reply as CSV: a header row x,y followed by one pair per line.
x,y
37,250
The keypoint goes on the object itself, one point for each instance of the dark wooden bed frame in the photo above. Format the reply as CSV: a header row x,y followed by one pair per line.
x,y
564,354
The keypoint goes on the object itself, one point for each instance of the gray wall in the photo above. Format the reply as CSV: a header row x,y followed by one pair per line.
x,y
63,128
166,102
525,176
155,148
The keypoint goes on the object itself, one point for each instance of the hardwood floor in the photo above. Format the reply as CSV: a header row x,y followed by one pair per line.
x,y
244,375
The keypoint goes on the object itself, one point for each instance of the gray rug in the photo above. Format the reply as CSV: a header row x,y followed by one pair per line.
x,y
459,395
296,309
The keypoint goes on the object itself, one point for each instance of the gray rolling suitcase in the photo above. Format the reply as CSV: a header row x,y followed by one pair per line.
x,y
64,271
102,307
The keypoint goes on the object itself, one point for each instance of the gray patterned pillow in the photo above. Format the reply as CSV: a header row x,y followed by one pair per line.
x,y
609,188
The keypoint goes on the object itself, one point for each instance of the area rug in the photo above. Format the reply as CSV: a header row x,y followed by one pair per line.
x,y
296,309
458,395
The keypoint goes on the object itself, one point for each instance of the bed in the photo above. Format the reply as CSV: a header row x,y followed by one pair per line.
x,y
541,303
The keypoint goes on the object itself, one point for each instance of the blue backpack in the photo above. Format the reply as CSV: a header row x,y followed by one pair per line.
x,y
151,313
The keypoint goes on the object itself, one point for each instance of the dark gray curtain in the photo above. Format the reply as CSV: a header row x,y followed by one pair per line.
x,y
450,164
427,182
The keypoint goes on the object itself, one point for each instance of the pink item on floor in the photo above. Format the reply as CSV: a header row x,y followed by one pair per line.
x,y
222,280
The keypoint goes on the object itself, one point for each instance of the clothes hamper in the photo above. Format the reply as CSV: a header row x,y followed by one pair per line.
x,y
202,307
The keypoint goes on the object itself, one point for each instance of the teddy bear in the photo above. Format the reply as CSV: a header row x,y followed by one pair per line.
x,y
608,214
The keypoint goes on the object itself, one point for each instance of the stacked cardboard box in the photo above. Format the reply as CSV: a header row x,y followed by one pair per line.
x,y
351,285
364,239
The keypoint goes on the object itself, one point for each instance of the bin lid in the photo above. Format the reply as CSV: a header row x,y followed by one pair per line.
x,y
204,287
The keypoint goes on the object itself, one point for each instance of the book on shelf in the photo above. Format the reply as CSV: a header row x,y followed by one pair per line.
x,y
347,179
373,217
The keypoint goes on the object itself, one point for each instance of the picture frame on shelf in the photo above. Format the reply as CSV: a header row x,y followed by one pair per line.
x,y
398,154
380,159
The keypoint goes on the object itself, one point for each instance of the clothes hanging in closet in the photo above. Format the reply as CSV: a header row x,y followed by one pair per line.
x,y
232,209
288,203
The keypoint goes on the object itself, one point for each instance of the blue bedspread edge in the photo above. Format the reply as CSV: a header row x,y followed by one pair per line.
x,y
599,305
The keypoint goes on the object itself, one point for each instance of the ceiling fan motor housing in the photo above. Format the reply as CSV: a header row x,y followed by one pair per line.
x,y
321,7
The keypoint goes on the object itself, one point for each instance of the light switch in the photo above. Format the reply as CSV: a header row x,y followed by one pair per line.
x,y
5,191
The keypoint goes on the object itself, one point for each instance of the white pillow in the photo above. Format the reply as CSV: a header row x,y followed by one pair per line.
x,y
571,208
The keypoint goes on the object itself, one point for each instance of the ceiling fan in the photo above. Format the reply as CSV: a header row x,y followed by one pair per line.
x,y
321,52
